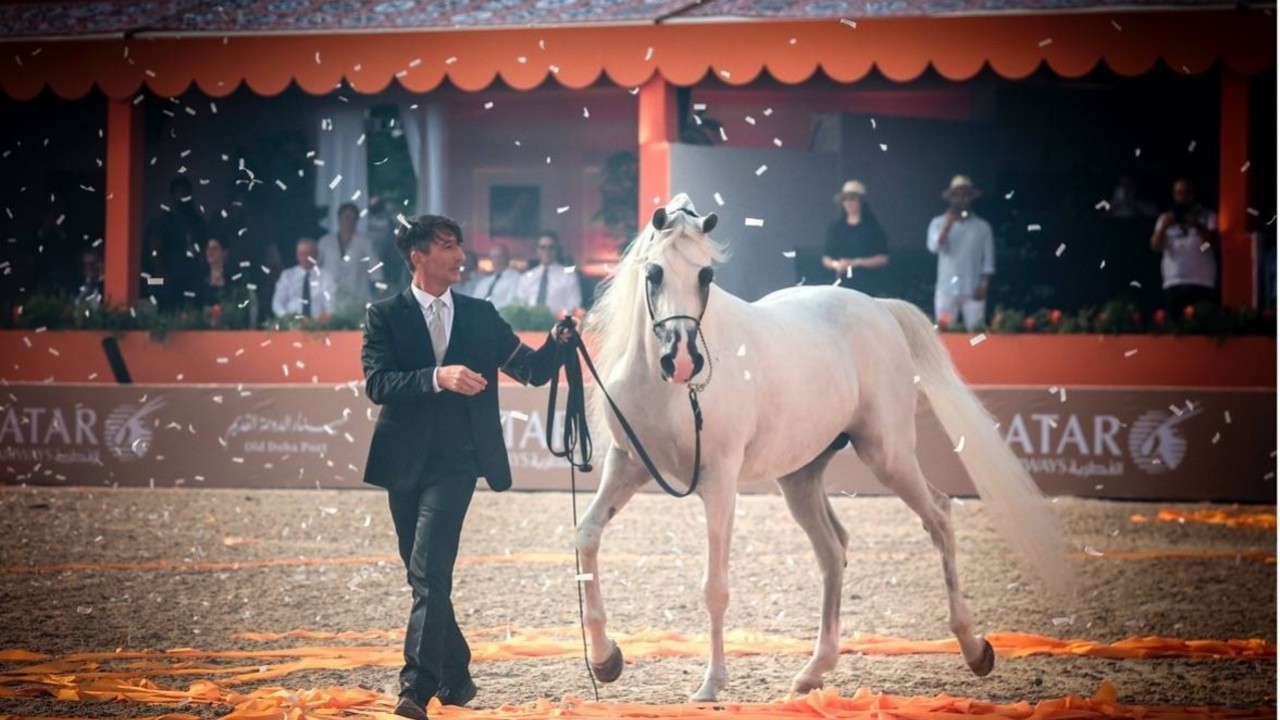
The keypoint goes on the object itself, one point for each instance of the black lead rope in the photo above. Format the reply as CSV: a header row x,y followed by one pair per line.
x,y
576,435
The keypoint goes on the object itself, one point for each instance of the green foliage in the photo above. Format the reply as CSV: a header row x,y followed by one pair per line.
x,y
528,318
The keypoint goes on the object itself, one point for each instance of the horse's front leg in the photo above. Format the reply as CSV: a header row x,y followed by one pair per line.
x,y
719,495
622,478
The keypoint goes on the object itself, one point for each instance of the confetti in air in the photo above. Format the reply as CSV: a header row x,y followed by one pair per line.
x,y
755,222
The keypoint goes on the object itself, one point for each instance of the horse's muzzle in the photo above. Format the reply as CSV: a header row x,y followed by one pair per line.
x,y
680,364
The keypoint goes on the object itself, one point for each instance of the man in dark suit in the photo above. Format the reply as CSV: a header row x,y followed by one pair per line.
x,y
431,359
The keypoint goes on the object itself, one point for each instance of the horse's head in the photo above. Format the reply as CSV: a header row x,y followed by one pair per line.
x,y
677,284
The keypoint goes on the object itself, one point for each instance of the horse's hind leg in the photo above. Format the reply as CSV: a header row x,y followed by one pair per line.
x,y
809,505
900,472
622,478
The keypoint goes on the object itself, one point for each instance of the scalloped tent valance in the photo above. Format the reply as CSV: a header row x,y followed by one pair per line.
x,y
684,53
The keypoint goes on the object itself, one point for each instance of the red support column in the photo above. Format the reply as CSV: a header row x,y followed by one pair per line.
x,y
1238,270
658,128
123,256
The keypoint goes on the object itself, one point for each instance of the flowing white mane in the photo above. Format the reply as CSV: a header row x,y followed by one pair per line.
x,y
611,318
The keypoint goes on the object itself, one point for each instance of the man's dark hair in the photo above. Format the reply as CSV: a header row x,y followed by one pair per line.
x,y
551,234
419,233
349,205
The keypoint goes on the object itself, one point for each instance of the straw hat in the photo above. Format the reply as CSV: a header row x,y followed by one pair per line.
x,y
958,182
850,187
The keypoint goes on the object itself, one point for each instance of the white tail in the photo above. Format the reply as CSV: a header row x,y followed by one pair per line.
x,y
1010,497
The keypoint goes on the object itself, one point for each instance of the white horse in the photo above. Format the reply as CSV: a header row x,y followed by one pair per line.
x,y
795,376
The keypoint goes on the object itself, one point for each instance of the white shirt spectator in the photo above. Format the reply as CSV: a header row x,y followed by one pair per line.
x,y
499,288
350,272
287,300
564,295
967,255
1187,260
425,299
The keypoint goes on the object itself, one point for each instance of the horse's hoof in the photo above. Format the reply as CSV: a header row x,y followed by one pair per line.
x,y
803,686
611,668
984,664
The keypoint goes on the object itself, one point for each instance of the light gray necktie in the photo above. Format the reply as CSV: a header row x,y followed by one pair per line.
x,y
435,325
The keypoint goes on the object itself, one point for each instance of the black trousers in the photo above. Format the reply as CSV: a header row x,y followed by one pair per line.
x,y
428,523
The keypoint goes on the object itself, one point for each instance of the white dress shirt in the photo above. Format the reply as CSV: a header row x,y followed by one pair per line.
x,y
564,295
1185,260
287,299
351,272
425,299
967,255
500,288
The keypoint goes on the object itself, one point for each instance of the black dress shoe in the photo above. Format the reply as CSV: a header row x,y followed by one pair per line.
x,y
459,696
408,707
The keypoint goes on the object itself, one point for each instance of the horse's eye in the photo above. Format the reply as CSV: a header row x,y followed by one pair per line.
x,y
705,276
654,273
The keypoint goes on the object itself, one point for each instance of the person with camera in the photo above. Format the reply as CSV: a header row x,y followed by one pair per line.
x,y
1187,239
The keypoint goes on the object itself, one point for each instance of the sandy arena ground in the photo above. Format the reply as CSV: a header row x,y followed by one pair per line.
x,y
893,587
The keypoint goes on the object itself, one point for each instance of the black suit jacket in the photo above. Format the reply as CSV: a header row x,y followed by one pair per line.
x,y
398,361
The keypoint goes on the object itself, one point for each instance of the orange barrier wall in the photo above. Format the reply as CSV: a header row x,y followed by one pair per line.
x,y
200,357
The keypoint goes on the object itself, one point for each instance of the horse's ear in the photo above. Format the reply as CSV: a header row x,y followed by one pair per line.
x,y
659,218
709,223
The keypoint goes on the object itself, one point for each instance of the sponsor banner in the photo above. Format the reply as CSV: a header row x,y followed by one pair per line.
x,y
1176,444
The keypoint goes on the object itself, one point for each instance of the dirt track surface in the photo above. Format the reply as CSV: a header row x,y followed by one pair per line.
x,y
651,575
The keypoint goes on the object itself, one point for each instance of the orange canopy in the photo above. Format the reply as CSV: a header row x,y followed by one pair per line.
x,y
683,53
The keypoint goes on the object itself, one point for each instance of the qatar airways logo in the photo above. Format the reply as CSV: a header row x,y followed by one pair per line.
x,y
1094,445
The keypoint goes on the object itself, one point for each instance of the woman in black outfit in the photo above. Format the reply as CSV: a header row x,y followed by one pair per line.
x,y
856,248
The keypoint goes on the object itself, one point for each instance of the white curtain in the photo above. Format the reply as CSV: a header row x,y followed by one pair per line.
x,y
344,150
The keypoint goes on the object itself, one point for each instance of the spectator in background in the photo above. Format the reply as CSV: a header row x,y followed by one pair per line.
x,y
91,280
965,248
467,279
381,228
348,257
55,276
213,288
173,242
498,286
253,257
551,284
1187,239
304,290
856,248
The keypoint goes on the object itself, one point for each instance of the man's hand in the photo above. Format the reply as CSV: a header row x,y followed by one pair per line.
x,y
1166,219
459,379
563,331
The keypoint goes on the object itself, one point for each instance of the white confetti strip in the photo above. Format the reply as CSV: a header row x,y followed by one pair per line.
x,y
281,185
719,199
849,23
960,445
519,416
1130,353
562,210
977,339
755,222
761,170
488,105
333,184
1062,247
788,253
1033,227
